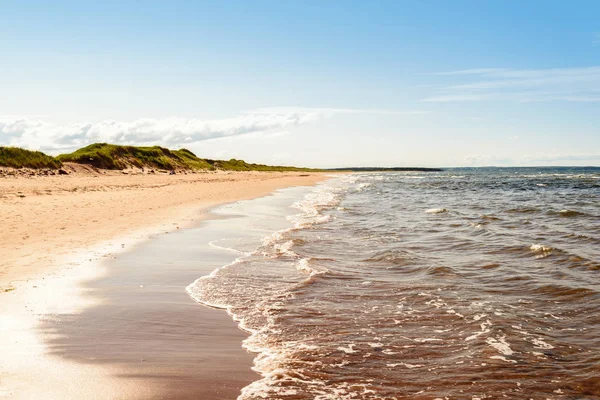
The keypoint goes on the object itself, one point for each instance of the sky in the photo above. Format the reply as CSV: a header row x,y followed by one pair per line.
x,y
308,83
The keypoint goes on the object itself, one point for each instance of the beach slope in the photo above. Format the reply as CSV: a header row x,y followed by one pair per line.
x,y
58,231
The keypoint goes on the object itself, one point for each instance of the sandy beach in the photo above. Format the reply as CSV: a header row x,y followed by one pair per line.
x,y
288,200
58,234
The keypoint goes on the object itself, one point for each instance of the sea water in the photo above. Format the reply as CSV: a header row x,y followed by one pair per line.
x,y
465,284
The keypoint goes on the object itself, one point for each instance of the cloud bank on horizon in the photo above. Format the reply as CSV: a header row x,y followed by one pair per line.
x,y
41,135
37,134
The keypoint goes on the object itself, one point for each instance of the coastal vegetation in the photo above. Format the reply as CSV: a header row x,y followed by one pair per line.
x,y
15,157
110,156
116,157
241,165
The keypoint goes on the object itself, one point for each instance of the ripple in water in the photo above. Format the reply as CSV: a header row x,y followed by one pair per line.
x,y
379,292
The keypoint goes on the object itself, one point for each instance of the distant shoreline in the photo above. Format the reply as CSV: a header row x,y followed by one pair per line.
x,y
384,169
102,157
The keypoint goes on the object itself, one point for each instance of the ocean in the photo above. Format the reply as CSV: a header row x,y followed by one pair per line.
x,y
470,283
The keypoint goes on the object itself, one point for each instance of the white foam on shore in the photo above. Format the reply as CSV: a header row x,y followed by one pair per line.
x,y
503,359
540,344
321,197
485,328
270,358
540,248
409,366
501,345
348,349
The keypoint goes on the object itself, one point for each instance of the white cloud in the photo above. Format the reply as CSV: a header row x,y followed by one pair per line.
x,y
524,85
37,134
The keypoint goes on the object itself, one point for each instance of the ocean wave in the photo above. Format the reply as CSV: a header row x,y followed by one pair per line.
x,y
362,186
322,197
571,213
490,217
283,248
524,210
436,210
303,265
540,248
441,271
564,292
389,255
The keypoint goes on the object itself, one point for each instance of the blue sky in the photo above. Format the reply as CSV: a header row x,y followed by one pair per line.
x,y
316,83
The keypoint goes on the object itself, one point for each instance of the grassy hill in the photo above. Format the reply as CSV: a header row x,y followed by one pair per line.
x,y
115,157
15,157
110,156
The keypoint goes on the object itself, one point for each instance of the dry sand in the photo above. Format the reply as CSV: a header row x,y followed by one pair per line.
x,y
55,232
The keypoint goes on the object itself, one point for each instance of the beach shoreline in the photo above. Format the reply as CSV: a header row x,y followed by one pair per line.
x,y
59,230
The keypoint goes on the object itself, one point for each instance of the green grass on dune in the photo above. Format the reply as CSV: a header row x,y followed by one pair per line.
x,y
110,156
115,157
15,157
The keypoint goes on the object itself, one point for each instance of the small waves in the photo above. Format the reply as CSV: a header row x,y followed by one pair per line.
x,y
323,197
370,294
490,218
523,210
254,288
442,271
541,249
304,266
570,213
566,292
436,211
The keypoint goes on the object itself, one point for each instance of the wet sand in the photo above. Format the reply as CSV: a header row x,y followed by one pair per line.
x,y
146,326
